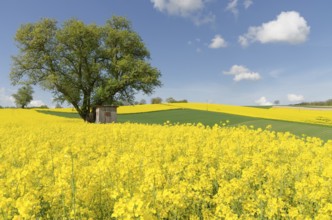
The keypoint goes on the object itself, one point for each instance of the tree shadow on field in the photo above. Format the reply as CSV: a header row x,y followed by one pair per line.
x,y
60,114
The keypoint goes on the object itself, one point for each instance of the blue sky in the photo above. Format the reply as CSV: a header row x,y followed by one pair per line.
x,y
241,52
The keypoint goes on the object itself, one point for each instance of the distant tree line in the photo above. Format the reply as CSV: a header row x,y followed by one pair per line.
x,y
317,103
172,100
158,100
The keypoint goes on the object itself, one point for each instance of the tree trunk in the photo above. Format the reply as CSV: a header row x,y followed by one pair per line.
x,y
91,116
84,113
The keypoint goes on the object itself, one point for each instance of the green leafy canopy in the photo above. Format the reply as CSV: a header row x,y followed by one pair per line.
x,y
23,96
84,64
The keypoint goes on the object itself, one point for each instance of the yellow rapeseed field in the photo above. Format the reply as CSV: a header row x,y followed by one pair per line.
x,y
145,108
57,168
287,114
131,109
311,116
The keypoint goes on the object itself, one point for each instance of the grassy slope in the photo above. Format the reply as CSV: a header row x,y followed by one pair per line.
x,y
182,116
286,114
211,118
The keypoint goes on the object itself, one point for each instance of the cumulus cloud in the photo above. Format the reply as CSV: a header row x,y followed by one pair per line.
x,y
242,73
295,98
36,103
247,3
243,41
185,8
6,100
263,101
232,6
289,27
175,7
217,42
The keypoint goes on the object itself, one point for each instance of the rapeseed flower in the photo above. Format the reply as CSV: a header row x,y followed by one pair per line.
x,y
57,168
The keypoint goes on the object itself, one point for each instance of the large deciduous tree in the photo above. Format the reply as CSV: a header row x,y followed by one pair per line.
x,y
85,65
23,96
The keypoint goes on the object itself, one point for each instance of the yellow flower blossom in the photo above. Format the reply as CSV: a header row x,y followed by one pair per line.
x,y
58,168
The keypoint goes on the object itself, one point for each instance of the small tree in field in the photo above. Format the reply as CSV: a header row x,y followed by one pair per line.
x,y
23,96
156,100
85,65
142,102
170,100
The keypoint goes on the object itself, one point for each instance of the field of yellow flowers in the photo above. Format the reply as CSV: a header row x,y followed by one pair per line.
x,y
58,168
287,113
304,115
132,109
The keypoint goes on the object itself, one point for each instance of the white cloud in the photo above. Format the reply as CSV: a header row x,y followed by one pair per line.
x,y
36,103
263,101
232,7
295,98
6,100
217,42
175,7
242,73
185,8
247,3
243,41
289,27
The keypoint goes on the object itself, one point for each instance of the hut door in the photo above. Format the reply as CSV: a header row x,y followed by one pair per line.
x,y
107,116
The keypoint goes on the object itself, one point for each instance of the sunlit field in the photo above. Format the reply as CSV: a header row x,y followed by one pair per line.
x,y
133,108
287,114
148,114
312,116
61,168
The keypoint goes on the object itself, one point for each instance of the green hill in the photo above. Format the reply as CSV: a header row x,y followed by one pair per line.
x,y
212,118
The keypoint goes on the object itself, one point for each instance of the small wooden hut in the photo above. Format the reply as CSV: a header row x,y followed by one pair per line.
x,y
106,114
